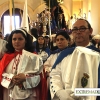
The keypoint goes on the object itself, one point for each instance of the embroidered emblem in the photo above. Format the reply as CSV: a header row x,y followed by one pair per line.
x,y
84,80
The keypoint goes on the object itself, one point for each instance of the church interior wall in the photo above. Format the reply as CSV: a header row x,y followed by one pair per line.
x,y
35,7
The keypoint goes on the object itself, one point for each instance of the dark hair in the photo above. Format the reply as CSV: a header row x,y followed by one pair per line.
x,y
47,37
37,44
6,37
29,44
89,26
34,32
64,34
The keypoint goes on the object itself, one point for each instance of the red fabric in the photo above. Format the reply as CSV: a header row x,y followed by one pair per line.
x,y
4,62
43,86
35,52
41,89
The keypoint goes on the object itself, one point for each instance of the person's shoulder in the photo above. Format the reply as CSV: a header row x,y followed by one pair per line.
x,y
9,54
94,48
63,54
55,51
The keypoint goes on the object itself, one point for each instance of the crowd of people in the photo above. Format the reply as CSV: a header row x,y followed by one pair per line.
x,y
49,68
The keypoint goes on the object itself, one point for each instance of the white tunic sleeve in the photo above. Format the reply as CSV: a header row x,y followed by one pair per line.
x,y
47,64
31,82
6,80
50,62
31,65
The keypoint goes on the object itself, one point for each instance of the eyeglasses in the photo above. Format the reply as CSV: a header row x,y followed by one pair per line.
x,y
81,29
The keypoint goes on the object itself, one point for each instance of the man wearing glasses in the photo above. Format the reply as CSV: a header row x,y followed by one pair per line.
x,y
76,67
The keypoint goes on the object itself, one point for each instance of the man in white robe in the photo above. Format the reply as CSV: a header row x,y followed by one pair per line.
x,y
73,64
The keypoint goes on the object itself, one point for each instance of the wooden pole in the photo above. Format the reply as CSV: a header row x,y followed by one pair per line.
x,y
49,20
14,14
10,11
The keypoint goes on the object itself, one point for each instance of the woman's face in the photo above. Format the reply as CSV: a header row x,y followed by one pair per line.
x,y
41,40
18,41
97,40
61,42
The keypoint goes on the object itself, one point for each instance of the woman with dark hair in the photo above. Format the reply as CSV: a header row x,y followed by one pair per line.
x,y
62,41
20,72
41,49
28,45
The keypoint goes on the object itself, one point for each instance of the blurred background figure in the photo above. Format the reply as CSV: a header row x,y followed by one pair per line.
x,y
41,50
53,25
34,33
2,45
6,37
96,41
1,35
61,23
47,41
71,43
53,42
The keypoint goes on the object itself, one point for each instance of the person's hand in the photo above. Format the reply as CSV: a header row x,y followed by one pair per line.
x,y
14,80
47,74
64,95
18,79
